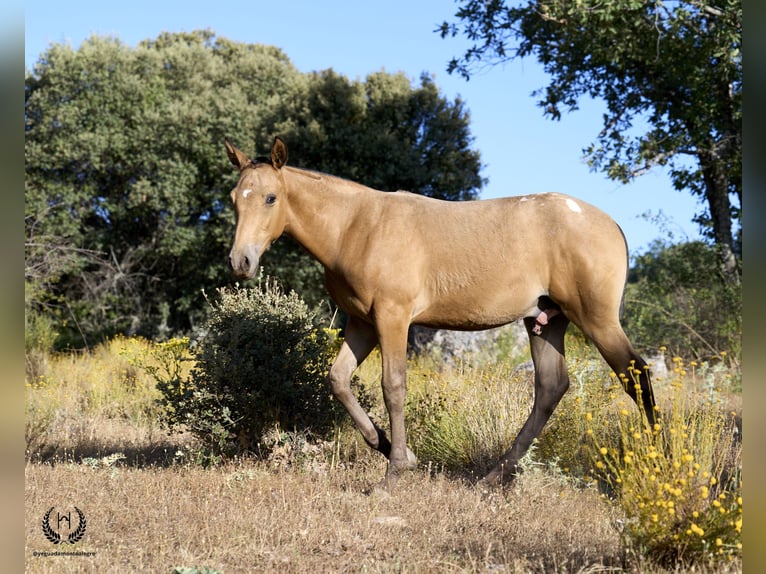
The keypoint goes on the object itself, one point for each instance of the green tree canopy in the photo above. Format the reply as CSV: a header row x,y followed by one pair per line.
x,y
670,73
386,134
127,215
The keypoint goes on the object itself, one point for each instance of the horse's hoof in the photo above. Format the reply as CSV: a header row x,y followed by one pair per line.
x,y
497,479
380,491
485,487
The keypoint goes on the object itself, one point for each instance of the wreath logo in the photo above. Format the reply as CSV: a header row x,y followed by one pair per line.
x,y
75,535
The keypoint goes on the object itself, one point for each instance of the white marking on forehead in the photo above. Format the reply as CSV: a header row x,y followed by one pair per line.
x,y
572,204
246,192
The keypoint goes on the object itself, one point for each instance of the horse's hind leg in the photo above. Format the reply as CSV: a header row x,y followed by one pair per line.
x,y
551,382
615,347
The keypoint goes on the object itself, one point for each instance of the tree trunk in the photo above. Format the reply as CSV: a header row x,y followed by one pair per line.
x,y
717,196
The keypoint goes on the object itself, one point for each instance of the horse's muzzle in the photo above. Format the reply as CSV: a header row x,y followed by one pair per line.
x,y
244,261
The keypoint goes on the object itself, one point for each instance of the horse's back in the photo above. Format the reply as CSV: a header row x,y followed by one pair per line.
x,y
485,263
519,231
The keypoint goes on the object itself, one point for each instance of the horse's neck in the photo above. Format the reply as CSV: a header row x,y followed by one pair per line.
x,y
320,210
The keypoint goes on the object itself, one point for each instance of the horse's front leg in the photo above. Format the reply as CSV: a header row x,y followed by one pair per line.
x,y
393,346
359,340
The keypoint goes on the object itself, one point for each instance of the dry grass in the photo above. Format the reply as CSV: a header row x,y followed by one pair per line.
x,y
93,404
154,511
247,518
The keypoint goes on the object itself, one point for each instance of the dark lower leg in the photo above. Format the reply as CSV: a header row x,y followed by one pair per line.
x,y
551,382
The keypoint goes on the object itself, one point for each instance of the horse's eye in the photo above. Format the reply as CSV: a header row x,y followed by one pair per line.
x,y
271,199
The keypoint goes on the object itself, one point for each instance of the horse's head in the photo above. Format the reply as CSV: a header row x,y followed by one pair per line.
x,y
259,202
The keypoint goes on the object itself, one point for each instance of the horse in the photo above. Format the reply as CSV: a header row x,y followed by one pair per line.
x,y
395,259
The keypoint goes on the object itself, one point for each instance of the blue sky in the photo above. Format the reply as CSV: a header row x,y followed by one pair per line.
x,y
522,152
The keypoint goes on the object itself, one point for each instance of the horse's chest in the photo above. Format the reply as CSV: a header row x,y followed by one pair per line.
x,y
348,297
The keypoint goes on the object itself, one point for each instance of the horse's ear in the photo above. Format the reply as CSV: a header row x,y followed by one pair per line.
x,y
237,157
278,153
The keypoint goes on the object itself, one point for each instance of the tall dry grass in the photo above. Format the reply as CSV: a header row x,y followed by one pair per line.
x,y
91,404
94,442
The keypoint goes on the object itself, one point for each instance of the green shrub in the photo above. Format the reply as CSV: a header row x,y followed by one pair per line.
x,y
39,333
262,362
676,292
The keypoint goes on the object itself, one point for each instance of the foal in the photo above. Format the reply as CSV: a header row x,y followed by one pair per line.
x,y
396,259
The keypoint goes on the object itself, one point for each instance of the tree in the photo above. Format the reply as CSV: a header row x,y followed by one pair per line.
x,y
386,134
123,161
127,213
674,67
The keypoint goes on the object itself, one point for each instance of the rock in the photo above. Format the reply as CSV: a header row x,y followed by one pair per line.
x,y
455,346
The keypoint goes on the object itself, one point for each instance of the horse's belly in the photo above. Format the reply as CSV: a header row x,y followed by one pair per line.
x,y
475,313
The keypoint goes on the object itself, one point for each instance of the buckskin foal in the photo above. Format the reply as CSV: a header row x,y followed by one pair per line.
x,y
396,259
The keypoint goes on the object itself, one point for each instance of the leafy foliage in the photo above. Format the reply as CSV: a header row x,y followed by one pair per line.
x,y
262,363
670,74
127,182
674,297
386,134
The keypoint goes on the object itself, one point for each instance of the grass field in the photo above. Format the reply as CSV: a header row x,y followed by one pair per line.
x,y
94,442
